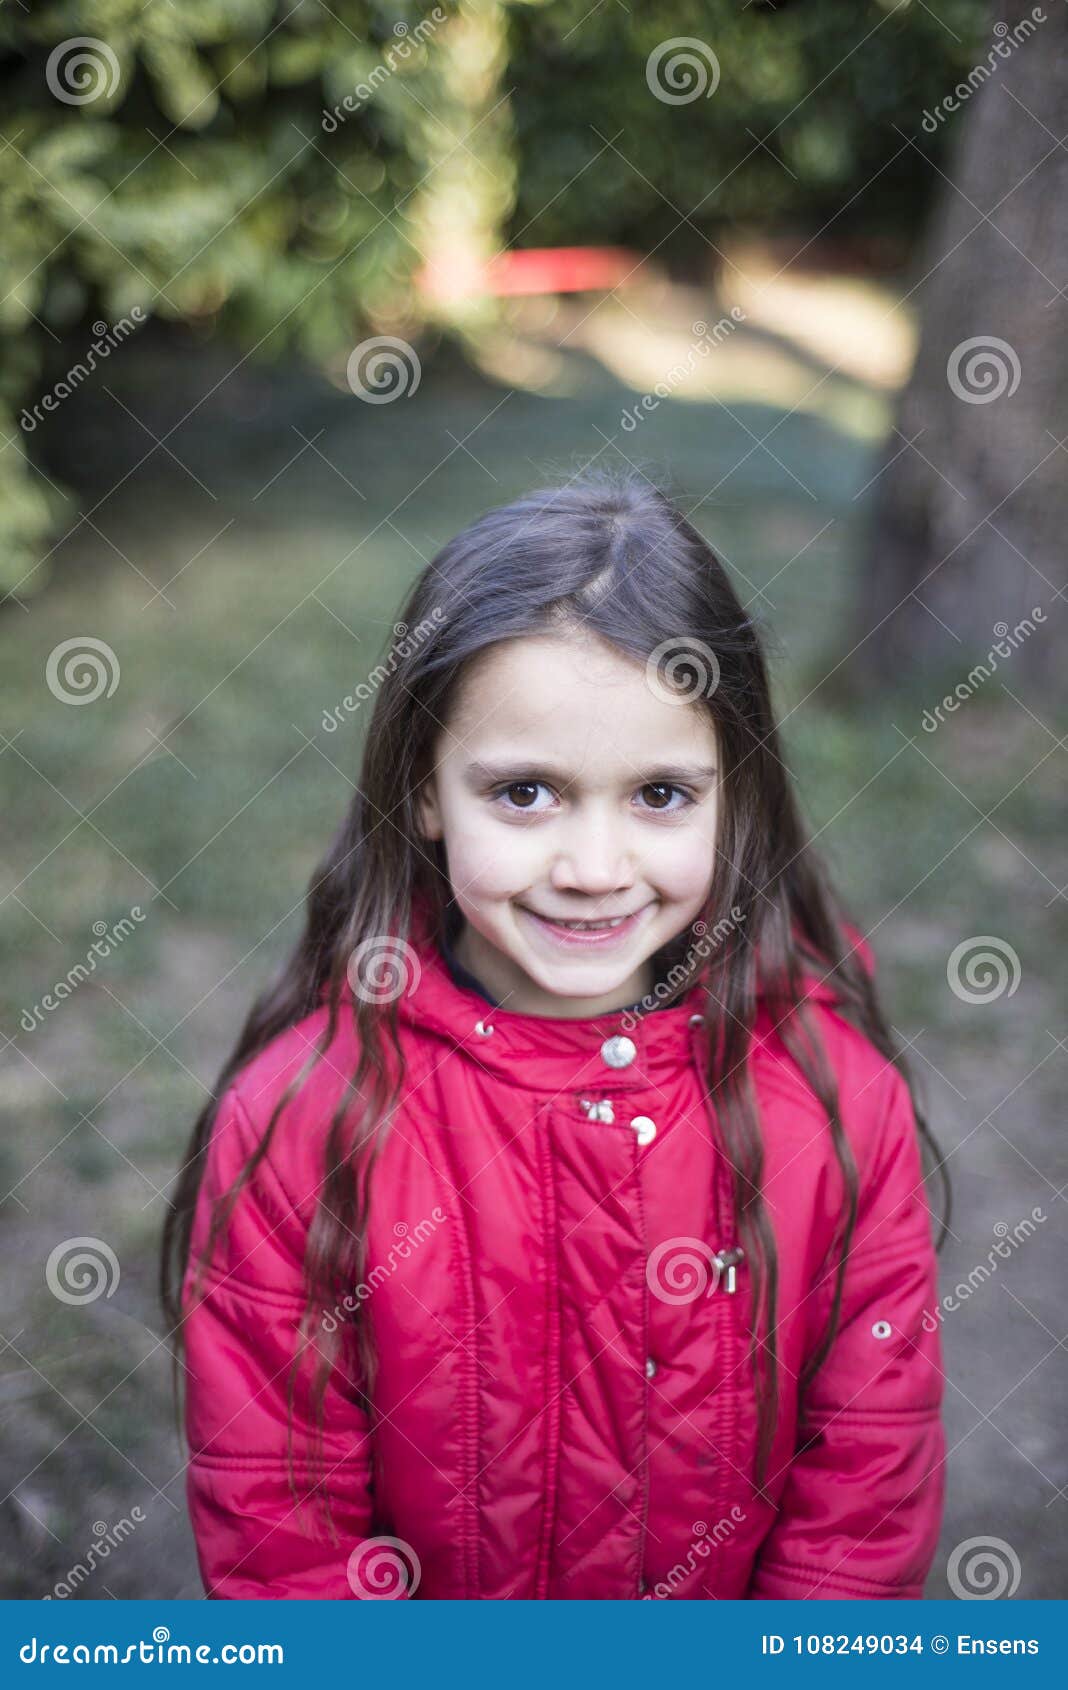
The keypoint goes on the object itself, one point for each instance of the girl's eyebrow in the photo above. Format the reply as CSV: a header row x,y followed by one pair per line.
x,y
478,772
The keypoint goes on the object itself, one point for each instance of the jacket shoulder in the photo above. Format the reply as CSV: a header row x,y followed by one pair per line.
x,y
879,1120
864,1076
302,1080
874,1102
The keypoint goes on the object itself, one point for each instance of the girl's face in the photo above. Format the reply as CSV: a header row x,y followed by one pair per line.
x,y
570,794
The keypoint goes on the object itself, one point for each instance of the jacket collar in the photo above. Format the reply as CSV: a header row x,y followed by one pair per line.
x,y
614,1052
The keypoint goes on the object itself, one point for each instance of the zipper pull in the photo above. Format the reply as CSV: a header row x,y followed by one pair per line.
x,y
726,1261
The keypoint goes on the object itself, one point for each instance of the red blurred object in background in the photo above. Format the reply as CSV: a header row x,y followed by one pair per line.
x,y
562,269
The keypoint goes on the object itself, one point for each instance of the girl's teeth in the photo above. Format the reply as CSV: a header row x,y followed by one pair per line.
x,y
593,925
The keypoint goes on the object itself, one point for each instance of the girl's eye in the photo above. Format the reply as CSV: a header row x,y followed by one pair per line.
x,y
521,794
662,790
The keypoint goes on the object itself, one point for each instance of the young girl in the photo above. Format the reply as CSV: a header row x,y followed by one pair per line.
x,y
560,1230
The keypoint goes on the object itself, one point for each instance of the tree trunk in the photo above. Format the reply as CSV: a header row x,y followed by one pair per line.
x,y
970,520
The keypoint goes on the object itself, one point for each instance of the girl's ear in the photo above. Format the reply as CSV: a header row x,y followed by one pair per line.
x,y
428,810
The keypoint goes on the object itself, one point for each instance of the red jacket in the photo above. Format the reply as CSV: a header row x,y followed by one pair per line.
x,y
564,1406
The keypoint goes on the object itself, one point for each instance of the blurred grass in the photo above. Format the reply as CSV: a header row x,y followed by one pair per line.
x,y
247,574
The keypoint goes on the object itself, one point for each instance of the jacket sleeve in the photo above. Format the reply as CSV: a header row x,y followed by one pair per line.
x,y
862,1504
240,1340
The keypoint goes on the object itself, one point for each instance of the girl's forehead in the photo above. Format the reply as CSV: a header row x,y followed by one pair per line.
x,y
574,699
575,651
546,669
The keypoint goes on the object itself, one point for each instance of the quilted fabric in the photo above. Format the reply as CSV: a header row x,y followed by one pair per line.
x,y
564,1406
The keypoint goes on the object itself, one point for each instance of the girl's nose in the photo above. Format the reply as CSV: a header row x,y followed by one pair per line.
x,y
594,862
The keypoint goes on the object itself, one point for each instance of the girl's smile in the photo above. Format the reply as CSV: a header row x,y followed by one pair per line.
x,y
603,932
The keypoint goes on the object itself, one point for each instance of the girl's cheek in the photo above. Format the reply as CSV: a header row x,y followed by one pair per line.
x,y
682,866
491,861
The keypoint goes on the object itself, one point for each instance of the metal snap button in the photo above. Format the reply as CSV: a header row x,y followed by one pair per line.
x,y
645,1129
618,1051
482,1030
650,1367
881,1329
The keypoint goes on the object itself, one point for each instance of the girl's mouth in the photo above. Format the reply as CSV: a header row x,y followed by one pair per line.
x,y
602,934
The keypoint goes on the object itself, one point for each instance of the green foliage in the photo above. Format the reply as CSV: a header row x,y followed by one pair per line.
x,y
172,159
196,160
812,102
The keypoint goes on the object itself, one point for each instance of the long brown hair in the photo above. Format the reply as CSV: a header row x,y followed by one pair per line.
x,y
613,556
